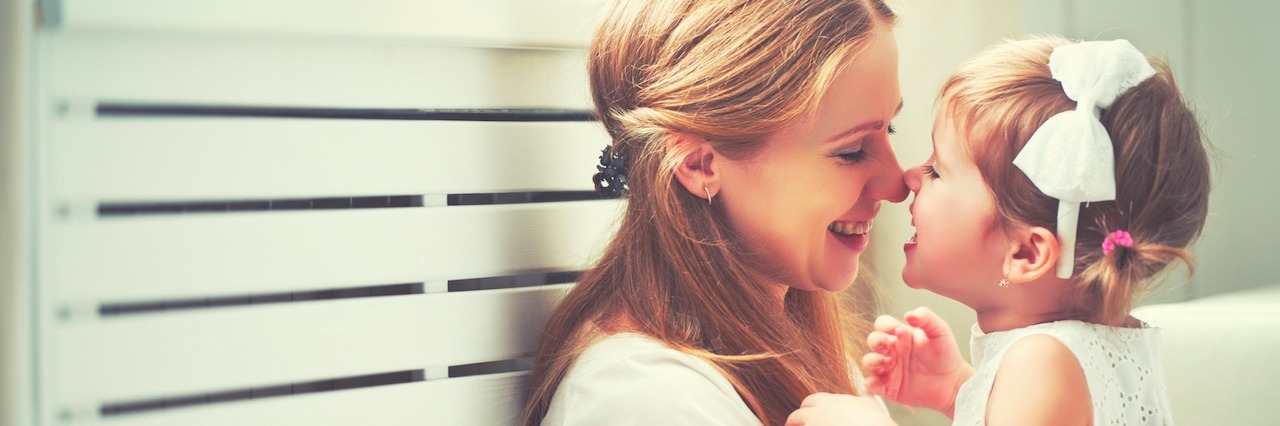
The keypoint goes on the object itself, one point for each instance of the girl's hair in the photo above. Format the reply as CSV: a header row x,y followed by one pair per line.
x,y
731,72
1004,94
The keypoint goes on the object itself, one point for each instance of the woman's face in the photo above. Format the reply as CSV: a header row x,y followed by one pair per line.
x,y
806,201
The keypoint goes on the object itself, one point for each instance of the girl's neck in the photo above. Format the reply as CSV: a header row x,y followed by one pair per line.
x,y
991,320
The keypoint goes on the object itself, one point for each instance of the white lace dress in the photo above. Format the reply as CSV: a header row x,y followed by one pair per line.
x,y
1121,366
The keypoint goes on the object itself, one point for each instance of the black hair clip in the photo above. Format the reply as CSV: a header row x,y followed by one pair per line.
x,y
612,177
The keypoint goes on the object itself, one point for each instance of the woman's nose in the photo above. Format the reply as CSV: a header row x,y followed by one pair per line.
x,y
889,186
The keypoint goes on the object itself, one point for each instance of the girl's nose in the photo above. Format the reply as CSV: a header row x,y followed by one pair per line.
x,y
912,177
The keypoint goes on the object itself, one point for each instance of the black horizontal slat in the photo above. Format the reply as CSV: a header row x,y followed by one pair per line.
x,y
125,209
520,197
119,309
354,382
119,209
123,109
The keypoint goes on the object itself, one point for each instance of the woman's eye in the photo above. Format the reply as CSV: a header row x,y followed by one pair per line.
x,y
892,129
853,157
931,172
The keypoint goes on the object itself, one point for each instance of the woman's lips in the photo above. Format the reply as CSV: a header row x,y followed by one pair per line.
x,y
850,228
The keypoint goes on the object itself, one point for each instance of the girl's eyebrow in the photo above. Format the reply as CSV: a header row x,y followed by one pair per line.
x,y
870,125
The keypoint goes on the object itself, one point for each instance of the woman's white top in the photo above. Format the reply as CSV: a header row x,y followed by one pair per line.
x,y
1121,366
631,379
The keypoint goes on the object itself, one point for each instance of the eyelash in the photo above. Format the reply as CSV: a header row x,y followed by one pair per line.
x,y
931,172
853,157
860,155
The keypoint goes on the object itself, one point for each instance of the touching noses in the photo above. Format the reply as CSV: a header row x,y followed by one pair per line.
x,y
912,176
889,185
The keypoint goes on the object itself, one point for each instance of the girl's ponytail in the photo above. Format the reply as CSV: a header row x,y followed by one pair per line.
x,y
1113,279
1162,197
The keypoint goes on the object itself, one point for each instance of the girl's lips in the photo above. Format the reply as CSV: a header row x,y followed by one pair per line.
x,y
910,244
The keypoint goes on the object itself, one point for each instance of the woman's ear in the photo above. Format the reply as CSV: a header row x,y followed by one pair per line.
x,y
1032,254
696,171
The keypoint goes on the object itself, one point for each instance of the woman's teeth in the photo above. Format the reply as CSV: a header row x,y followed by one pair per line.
x,y
850,228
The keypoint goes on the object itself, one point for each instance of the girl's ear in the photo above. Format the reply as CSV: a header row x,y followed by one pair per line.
x,y
696,171
1033,254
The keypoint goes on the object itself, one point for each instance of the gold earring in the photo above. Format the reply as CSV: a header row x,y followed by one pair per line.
x,y
704,188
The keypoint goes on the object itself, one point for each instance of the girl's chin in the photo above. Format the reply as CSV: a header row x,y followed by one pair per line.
x,y
910,280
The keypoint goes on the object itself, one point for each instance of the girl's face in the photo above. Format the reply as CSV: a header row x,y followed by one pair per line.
x,y
957,250
807,200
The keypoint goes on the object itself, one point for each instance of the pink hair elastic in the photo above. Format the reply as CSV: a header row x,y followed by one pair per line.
x,y
1120,237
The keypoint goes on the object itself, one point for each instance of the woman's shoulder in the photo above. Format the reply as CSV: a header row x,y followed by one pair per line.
x,y
627,377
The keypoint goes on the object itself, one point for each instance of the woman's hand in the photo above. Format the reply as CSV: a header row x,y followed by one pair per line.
x,y
917,363
839,409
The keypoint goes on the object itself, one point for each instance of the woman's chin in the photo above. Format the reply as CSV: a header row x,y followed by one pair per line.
x,y
836,282
836,288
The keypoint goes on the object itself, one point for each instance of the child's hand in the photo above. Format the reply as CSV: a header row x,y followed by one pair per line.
x,y
917,363
832,409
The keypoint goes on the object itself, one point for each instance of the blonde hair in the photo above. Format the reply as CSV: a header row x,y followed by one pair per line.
x,y
731,72
1162,169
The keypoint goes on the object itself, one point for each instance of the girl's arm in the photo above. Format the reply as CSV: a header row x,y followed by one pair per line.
x,y
1039,382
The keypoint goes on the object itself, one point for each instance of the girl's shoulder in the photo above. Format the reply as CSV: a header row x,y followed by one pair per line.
x,y
628,377
1040,381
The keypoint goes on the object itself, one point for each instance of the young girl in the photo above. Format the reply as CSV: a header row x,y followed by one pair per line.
x,y
1035,137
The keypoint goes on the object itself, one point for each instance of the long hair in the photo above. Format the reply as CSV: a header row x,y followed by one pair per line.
x,y
1161,167
731,72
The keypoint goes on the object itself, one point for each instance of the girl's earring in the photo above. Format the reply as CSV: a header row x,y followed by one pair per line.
x,y
1004,282
708,194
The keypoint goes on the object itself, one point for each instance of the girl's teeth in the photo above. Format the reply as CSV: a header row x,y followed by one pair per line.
x,y
850,228
912,240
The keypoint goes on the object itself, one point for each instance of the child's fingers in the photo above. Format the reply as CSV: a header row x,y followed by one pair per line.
x,y
887,323
882,342
903,339
874,364
928,321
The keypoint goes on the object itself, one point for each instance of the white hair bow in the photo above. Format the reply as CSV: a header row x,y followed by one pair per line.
x,y
1070,156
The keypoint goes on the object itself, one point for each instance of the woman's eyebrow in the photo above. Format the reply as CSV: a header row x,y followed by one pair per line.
x,y
870,125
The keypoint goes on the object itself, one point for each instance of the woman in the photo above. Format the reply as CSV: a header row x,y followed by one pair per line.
x,y
751,139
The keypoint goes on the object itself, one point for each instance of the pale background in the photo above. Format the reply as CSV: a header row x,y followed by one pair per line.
x,y
1226,62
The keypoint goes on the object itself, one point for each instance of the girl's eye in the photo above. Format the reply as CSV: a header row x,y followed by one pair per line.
x,y
931,172
892,130
854,157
